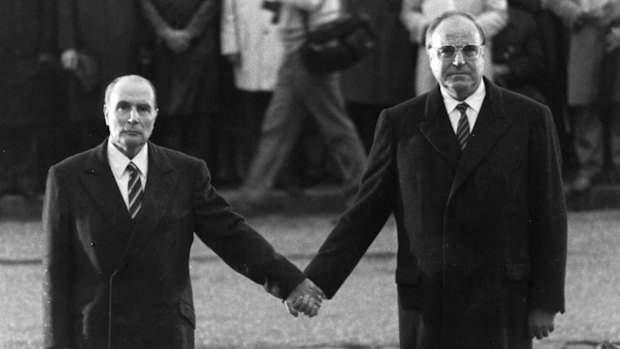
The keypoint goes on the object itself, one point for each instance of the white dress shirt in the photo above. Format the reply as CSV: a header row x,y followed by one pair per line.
x,y
118,164
474,101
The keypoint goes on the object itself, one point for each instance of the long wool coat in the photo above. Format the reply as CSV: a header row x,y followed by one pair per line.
x,y
106,31
187,82
481,234
110,282
248,30
26,83
386,75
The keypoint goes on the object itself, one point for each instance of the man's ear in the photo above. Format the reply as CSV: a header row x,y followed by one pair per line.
x,y
105,114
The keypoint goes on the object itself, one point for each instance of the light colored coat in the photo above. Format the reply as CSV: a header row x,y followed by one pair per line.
x,y
416,15
248,32
292,26
586,45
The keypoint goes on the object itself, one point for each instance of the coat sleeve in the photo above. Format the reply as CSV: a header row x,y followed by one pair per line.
x,y
528,67
414,20
359,225
495,18
206,14
240,246
306,5
153,16
67,31
567,10
547,217
58,268
229,30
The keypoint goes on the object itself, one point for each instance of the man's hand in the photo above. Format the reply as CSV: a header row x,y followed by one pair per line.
x,y
69,59
305,298
177,40
540,323
612,40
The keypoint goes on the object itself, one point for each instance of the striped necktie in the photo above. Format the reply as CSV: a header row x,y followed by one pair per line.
x,y
134,190
462,130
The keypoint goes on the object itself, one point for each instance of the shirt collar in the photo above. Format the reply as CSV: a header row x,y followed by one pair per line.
x,y
474,100
119,161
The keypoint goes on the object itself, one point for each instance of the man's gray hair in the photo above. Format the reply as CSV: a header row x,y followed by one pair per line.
x,y
108,89
449,14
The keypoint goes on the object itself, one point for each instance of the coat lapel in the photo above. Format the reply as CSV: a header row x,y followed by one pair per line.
x,y
160,186
437,129
490,126
99,182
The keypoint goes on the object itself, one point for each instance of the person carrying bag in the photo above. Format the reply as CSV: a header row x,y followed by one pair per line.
x,y
338,44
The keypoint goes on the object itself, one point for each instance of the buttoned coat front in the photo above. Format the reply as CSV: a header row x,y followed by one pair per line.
x,y
112,283
481,233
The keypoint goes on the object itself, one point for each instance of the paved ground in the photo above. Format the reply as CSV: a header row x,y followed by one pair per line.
x,y
232,312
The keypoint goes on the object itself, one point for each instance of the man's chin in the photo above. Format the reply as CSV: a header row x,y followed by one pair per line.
x,y
132,142
460,89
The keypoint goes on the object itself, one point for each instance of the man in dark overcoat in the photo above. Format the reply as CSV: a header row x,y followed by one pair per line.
x,y
477,195
184,69
119,221
26,87
98,41
384,77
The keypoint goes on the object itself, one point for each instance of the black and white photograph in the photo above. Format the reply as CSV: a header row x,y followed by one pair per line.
x,y
296,174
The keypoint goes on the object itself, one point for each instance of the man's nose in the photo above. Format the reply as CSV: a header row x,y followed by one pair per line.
x,y
458,60
133,116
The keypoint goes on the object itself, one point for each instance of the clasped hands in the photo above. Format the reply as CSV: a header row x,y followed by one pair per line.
x,y
305,298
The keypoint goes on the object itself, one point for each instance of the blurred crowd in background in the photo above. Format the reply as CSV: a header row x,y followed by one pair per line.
x,y
214,64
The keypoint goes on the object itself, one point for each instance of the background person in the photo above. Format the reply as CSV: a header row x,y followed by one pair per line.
x,y
590,24
184,70
98,41
297,93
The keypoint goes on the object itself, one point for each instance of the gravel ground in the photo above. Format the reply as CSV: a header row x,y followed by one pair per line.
x,y
232,312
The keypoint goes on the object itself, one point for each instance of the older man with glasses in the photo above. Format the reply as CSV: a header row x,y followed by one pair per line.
x,y
417,15
471,172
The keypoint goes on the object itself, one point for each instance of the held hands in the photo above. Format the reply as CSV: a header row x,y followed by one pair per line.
x,y
305,298
540,323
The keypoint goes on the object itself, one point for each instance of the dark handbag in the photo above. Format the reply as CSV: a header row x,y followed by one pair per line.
x,y
337,45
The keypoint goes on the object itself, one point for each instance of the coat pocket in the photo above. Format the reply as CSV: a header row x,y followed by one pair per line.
x,y
187,312
518,271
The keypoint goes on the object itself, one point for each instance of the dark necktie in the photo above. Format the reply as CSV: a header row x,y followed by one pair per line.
x,y
134,190
462,130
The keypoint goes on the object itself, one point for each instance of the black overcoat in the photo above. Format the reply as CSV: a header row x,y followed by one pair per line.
x,y
481,234
186,82
386,75
107,32
26,72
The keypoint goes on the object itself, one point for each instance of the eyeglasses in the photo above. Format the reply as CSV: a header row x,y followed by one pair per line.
x,y
469,51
